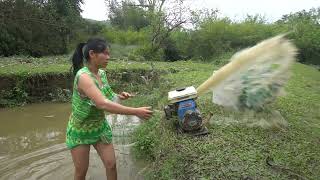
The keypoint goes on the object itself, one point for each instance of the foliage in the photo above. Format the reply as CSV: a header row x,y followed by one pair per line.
x,y
86,29
215,37
125,37
127,15
305,31
15,97
37,28
149,53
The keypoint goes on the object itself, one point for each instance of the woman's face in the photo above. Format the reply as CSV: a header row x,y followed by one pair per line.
x,y
101,59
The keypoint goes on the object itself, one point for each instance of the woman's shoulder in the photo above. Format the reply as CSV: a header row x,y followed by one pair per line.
x,y
82,70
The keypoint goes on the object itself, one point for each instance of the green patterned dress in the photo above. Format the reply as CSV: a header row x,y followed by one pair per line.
x,y
87,123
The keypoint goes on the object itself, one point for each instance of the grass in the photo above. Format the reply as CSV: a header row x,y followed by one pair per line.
x,y
230,151
235,151
24,66
27,66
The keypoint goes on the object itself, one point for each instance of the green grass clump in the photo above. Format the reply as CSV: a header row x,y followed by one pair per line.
x,y
234,150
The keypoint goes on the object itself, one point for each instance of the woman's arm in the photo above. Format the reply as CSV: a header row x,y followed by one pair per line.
x,y
87,86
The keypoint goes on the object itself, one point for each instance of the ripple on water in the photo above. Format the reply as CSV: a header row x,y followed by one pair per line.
x,y
36,150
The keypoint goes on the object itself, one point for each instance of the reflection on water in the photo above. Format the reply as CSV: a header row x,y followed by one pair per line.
x,y
32,144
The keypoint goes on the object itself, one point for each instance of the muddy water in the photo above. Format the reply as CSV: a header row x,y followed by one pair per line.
x,y
32,145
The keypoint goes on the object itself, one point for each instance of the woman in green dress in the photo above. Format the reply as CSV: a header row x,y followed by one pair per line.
x,y
92,97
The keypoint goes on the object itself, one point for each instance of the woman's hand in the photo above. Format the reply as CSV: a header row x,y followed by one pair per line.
x,y
144,112
124,95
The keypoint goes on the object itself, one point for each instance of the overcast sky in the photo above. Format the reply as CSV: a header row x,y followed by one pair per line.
x,y
235,9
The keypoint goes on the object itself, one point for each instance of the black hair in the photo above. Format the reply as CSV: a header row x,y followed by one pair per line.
x,y
81,53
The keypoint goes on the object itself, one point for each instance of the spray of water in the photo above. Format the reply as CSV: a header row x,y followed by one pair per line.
x,y
253,79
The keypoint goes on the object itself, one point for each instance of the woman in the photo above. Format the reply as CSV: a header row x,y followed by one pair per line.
x,y
92,96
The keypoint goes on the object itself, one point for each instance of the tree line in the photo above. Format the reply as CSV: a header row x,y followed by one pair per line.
x,y
161,29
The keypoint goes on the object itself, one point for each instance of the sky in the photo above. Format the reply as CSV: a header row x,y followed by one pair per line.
x,y
235,9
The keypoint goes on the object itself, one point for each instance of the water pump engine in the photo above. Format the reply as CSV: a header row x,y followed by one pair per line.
x,y
182,105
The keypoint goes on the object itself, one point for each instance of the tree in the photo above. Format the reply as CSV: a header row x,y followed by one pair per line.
x,y
127,15
162,17
37,27
305,30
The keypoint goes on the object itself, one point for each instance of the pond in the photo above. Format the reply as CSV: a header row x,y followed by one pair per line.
x,y
32,144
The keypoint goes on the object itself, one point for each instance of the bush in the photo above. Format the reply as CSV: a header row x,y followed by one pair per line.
x,y
121,51
125,37
149,53
37,29
304,28
215,37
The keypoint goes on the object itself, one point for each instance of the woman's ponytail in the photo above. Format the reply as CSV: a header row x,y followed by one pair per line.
x,y
77,58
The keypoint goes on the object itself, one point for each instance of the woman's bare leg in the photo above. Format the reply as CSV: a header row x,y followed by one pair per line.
x,y
107,155
80,157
